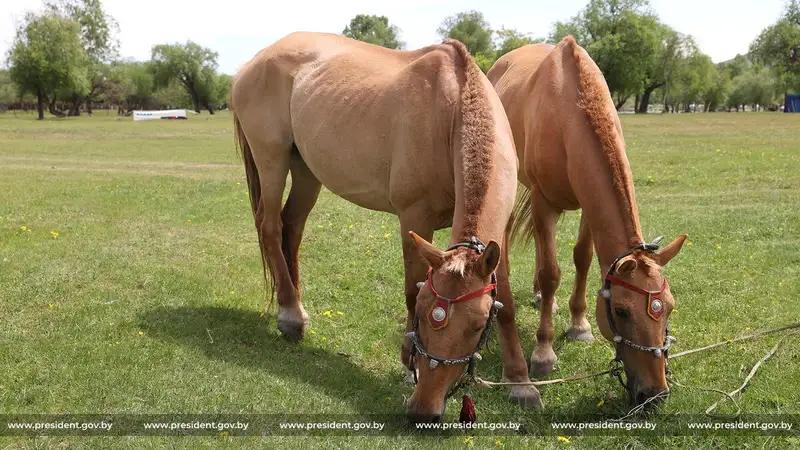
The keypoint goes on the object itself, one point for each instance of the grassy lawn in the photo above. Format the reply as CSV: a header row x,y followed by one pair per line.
x,y
130,283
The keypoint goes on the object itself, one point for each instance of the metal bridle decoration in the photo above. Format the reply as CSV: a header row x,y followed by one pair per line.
x,y
439,315
655,307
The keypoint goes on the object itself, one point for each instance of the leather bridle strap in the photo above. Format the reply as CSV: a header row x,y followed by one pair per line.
x,y
461,298
620,282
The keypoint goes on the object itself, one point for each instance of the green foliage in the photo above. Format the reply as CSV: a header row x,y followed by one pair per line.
x,y
623,37
129,84
190,65
472,29
47,56
510,39
373,29
97,28
9,92
694,79
778,47
753,87
172,95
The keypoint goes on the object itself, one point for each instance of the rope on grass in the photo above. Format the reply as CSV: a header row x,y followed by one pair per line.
x,y
488,384
749,376
791,326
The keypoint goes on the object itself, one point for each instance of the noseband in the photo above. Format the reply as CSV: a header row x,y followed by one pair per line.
x,y
655,305
439,315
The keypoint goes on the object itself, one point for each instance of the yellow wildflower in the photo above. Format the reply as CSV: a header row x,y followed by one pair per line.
x,y
563,439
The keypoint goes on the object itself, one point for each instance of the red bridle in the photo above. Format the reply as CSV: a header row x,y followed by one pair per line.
x,y
440,310
651,295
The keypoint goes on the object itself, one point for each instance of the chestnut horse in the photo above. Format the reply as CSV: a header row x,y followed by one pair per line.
x,y
572,155
419,134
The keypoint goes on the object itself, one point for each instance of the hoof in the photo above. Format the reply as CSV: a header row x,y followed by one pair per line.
x,y
537,302
542,362
292,323
526,396
580,334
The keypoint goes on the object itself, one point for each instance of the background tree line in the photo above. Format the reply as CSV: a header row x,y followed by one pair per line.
x,y
64,60
643,60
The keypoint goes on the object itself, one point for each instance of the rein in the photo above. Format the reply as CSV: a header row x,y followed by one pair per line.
x,y
439,315
654,305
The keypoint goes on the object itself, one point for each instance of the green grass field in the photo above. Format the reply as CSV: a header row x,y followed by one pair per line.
x,y
131,283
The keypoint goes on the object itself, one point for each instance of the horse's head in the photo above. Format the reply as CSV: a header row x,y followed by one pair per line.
x,y
633,309
454,307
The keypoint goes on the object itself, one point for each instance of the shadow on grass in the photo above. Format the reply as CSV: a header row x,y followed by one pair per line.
x,y
245,338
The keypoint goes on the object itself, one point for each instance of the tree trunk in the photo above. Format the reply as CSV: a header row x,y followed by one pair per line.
x,y
645,101
52,108
620,102
210,108
40,103
195,98
75,107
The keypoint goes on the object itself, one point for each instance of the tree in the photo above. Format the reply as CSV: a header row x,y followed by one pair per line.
x,y
623,37
472,29
510,39
373,29
129,85
752,87
778,47
658,73
8,90
47,56
192,66
97,31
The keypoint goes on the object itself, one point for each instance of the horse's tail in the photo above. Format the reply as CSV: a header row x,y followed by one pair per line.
x,y
520,224
254,188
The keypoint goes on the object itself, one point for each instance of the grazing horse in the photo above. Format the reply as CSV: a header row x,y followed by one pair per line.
x,y
572,155
419,134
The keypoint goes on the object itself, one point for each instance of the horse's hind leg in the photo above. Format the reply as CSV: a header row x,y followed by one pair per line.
x,y
302,197
580,330
272,155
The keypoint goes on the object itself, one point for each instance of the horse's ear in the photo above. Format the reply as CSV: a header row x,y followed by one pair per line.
x,y
489,259
669,252
428,251
626,265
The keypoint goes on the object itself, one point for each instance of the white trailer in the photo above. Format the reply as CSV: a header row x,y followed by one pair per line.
x,y
154,115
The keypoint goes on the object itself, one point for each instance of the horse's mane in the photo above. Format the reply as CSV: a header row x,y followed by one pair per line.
x,y
595,101
477,137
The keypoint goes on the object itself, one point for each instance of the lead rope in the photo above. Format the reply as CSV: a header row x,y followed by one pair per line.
x,y
616,369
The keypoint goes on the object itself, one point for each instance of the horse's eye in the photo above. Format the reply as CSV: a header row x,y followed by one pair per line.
x,y
621,313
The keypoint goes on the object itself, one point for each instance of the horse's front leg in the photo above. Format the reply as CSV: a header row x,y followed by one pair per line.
x,y
415,270
515,367
548,275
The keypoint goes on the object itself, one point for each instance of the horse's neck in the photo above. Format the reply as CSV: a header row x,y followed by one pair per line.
x,y
609,204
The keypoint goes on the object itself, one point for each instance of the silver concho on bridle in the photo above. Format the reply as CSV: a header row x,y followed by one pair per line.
x,y
438,313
